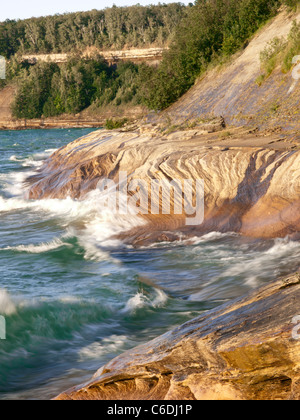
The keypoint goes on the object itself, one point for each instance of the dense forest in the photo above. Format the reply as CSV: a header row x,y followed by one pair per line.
x,y
112,28
206,34
48,89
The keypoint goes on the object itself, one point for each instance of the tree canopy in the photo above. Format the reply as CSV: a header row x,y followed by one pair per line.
x,y
211,31
112,28
199,35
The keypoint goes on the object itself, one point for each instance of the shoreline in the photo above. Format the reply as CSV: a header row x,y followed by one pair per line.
x,y
44,124
242,349
227,152
88,118
246,349
242,175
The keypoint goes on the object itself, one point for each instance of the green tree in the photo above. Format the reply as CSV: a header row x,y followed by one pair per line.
x,y
212,29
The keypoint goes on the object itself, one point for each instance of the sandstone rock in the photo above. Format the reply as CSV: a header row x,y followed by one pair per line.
x,y
249,190
244,349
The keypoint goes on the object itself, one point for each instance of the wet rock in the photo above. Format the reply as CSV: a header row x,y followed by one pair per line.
x,y
250,190
246,349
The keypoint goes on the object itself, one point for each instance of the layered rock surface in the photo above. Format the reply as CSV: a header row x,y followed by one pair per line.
x,y
254,190
248,349
149,55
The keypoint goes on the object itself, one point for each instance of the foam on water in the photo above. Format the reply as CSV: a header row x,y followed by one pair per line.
x,y
98,224
108,345
140,300
74,296
7,205
35,160
251,265
211,236
14,183
196,240
37,249
14,158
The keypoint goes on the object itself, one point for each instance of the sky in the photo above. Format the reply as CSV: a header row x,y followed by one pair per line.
x,y
20,9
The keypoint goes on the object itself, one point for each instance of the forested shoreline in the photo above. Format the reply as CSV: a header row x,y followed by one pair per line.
x,y
198,36
112,28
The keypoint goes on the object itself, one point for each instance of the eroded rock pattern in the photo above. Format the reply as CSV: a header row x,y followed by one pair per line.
x,y
250,190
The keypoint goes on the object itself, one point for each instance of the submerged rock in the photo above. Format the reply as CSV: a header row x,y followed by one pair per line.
x,y
246,349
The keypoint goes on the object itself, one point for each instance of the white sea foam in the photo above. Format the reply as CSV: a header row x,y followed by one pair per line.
x,y
95,226
268,259
108,345
44,155
248,267
7,205
137,301
283,246
195,240
14,158
70,299
13,183
32,163
140,300
211,236
37,249
36,160
160,298
93,223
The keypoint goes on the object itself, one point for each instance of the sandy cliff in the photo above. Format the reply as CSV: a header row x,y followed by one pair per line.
x,y
231,90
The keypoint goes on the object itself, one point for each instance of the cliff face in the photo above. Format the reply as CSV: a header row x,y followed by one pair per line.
x,y
232,91
246,350
251,190
151,56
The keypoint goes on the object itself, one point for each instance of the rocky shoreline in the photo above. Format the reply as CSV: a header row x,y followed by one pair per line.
x,y
46,124
245,349
248,349
250,190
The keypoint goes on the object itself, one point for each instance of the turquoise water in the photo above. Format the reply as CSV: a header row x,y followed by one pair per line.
x,y
73,298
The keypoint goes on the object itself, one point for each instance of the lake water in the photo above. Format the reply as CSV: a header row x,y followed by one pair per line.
x,y
73,298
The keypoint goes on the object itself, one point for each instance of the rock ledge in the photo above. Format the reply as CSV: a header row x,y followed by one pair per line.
x,y
243,350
